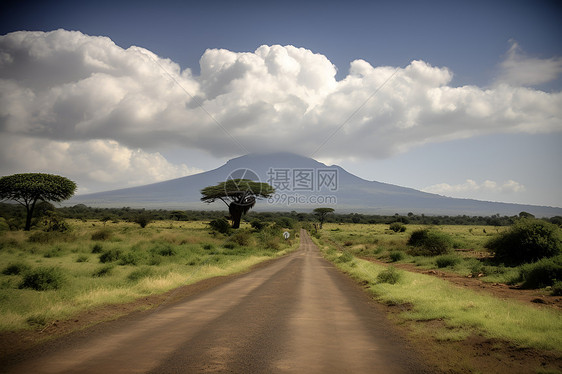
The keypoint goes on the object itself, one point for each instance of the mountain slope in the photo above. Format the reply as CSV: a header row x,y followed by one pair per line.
x,y
302,184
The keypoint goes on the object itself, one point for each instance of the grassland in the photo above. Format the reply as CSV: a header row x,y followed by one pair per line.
x,y
461,312
96,264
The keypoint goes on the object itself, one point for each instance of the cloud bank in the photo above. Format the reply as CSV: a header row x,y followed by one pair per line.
x,y
69,99
471,187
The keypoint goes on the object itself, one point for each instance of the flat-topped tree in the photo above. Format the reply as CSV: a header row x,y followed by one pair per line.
x,y
29,188
321,213
239,195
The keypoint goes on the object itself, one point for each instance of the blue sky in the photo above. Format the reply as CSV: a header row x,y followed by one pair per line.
x,y
505,56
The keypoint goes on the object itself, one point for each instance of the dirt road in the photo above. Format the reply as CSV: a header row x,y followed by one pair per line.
x,y
296,315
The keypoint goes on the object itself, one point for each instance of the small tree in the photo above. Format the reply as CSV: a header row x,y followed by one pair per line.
x,y
238,194
321,213
143,219
29,188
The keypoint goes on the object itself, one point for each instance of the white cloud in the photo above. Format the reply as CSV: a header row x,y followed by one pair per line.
x,y
65,87
519,69
93,164
470,187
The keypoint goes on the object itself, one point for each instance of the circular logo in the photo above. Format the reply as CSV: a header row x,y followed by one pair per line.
x,y
237,189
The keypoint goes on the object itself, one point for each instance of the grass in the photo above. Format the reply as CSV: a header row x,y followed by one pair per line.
x,y
125,263
426,298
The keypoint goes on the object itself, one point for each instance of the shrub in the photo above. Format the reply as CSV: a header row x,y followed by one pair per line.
x,y
42,279
447,260
397,227
4,226
390,275
429,243
272,244
128,259
110,255
53,222
242,238
53,252
16,269
103,271
541,274
97,248
556,289
220,225
167,250
139,274
102,234
257,224
528,240
396,256
207,246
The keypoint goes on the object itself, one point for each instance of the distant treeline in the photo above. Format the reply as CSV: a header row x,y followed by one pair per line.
x,y
14,214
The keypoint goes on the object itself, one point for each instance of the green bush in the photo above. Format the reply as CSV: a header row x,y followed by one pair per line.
x,y
42,279
258,225
447,260
54,222
102,234
556,289
540,274
397,227
16,269
241,238
97,248
528,240
390,276
220,225
139,274
103,271
4,226
396,256
429,243
128,259
110,255
164,250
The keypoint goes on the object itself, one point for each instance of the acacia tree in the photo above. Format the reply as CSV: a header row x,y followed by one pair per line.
x,y
239,195
321,213
29,188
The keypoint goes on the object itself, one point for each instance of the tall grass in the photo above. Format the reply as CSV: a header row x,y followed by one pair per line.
x,y
126,263
431,298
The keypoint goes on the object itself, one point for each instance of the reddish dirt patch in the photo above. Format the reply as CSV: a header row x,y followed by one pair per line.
x,y
478,354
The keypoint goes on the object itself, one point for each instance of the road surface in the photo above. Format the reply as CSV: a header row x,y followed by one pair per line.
x,y
296,315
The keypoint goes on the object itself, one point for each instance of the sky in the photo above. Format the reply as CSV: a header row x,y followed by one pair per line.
x,y
459,98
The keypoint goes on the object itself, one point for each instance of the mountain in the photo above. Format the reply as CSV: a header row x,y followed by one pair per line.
x,y
302,184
